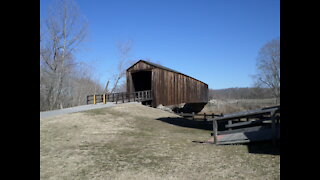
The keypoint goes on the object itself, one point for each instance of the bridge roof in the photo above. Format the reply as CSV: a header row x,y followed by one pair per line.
x,y
163,67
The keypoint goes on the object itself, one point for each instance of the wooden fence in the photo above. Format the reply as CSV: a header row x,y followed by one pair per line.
x,y
194,116
123,97
255,127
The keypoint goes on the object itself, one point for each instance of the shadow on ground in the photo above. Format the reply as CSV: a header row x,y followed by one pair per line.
x,y
204,125
263,147
190,107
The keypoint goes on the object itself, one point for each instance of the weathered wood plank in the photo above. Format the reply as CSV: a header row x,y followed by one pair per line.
x,y
234,142
229,124
215,131
250,136
190,114
246,123
245,114
273,127
247,129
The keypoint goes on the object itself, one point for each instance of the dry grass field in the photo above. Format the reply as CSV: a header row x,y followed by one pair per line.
x,y
236,105
132,141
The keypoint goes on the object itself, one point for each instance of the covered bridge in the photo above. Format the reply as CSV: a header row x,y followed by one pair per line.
x,y
169,87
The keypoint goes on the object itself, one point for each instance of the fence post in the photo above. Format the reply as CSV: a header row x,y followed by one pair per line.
x,y
204,116
87,99
192,115
117,98
104,98
122,97
273,127
229,123
143,94
150,94
94,99
215,131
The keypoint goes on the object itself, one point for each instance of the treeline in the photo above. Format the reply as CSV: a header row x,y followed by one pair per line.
x,y
76,84
64,81
241,93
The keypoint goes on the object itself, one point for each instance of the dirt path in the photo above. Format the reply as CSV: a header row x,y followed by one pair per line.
x,y
47,114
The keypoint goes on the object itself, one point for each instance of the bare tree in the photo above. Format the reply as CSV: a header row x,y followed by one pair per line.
x,y
65,29
124,48
82,84
268,65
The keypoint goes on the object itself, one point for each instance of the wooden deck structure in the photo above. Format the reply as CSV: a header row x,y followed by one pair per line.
x,y
249,126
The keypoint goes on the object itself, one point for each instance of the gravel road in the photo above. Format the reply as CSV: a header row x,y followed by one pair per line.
x,y
46,114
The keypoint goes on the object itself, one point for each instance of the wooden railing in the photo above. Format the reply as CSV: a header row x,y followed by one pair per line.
x,y
254,125
203,116
123,97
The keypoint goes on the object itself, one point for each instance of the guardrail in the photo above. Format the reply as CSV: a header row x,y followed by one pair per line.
x,y
123,97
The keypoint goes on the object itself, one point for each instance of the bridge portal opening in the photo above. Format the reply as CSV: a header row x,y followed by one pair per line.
x,y
141,80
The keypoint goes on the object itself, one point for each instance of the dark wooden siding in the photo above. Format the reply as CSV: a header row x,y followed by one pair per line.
x,y
140,66
169,87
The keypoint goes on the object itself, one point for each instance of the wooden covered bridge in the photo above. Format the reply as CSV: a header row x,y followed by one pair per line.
x,y
168,86
154,84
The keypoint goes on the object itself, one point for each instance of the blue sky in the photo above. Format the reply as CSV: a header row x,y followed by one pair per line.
x,y
215,41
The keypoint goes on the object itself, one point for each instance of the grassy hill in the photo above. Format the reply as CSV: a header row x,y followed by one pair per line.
x,y
132,141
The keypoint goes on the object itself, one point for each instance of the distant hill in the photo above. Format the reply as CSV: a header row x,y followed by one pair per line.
x,y
240,93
